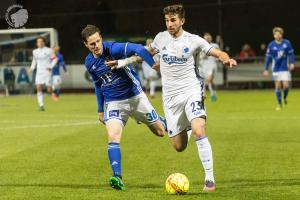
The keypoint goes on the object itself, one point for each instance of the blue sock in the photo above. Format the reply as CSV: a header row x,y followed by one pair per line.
x,y
164,122
278,96
285,93
114,155
57,92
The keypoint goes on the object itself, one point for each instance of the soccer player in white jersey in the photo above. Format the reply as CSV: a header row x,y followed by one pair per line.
x,y
182,99
208,66
43,60
150,74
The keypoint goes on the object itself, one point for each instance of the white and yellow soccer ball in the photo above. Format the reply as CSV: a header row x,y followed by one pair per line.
x,y
177,184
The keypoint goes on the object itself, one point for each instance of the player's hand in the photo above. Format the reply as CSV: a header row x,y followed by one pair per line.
x,y
156,67
292,67
112,64
230,62
266,73
101,117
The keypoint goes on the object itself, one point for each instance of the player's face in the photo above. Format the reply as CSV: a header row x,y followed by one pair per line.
x,y
94,44
174,24
208,38
40,43
277,36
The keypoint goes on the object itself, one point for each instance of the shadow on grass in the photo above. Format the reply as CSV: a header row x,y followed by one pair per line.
x,y
261,182
41,185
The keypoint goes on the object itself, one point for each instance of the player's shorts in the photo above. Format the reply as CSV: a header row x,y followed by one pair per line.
x,y
42,79
208,70
56,80
137,107
181,109
282,76
148,72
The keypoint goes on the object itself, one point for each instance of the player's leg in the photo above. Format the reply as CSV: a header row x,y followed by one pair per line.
x,y
56,85
196,114
205,152
278,94
210,84
180,141
115,118
49,88
40,97
152,83
285,85
114,132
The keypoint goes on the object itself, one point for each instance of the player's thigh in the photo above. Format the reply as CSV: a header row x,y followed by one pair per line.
x,y
39,87
285,84
117,111
114,128
142,110
174,109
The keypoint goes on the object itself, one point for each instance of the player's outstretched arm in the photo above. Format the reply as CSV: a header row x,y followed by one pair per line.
x,y
115,64
223,57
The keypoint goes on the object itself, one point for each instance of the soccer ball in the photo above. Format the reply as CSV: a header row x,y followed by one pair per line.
x,y
177,184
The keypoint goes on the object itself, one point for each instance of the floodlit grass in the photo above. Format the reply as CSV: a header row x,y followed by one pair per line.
x,y
62,153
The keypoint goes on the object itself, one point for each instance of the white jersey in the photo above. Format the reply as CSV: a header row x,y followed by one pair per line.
x,y
43,60
177,64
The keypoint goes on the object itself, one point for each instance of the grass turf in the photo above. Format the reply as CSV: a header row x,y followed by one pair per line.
x,y
62,153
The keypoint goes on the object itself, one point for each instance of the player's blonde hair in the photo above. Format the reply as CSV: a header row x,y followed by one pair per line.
x,y
278,29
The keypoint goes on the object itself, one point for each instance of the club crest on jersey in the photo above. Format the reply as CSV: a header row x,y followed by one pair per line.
x,y
114,113
173,59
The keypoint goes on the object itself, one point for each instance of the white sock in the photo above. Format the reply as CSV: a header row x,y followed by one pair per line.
x,y
152,87
211,90
40,98
205,155
189,133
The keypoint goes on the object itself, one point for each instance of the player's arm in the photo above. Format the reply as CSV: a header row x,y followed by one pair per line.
x,y
267,62
100,102
33,64
63,64
54,59
223,57
132,53
291,55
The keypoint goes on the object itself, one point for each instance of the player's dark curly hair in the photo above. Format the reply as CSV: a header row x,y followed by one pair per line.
x,y
175,9
88,31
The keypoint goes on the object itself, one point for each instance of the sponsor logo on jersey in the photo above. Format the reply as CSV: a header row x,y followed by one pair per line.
x,y
173,59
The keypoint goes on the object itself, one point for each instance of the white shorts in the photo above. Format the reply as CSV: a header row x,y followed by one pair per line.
x,y
56,80
42,79
181,109
282,76
137,107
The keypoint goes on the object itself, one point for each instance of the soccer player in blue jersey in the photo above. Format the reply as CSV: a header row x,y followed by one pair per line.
x,y
119,88
281,53
56,78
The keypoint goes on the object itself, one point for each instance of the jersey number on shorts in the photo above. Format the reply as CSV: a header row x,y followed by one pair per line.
x,y
151,116
196,106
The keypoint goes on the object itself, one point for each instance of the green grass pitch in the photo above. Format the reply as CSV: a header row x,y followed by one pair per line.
x,y
62,153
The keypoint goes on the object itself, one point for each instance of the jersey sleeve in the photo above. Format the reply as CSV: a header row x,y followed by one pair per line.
x,y
100,98
155,44
268,57
203,45
62,63
291,53
33,63
124,50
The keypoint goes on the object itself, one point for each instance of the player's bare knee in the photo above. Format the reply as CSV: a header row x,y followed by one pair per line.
x,y
180,147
